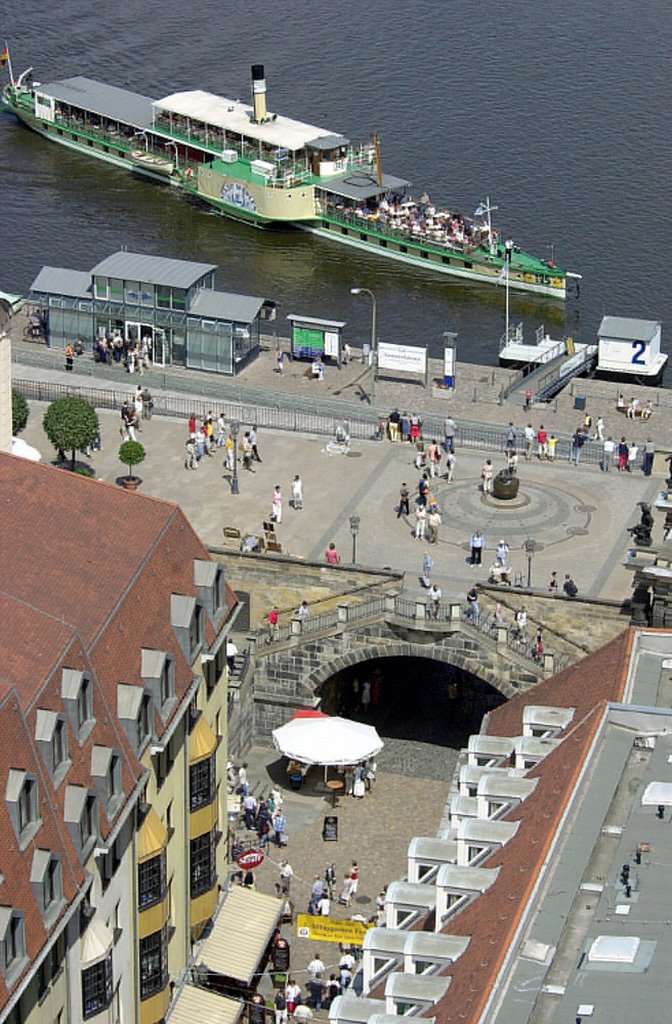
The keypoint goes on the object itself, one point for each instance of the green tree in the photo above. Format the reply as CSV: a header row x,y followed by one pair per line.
x,y
131,453
19,412
70,423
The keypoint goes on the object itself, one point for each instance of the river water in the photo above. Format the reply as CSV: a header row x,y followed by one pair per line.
x,y
558,112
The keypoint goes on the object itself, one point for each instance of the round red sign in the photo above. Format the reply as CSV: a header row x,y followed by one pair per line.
x,y
250,858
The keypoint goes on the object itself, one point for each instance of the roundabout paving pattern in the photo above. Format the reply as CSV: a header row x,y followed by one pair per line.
x,y
561,514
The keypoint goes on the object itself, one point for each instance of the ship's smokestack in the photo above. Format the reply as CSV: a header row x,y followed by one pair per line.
x,y
258,93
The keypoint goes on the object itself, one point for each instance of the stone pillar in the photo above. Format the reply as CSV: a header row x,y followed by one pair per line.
x,y
549,663
296,626
390,603
420,609
343,612
454,611
502,636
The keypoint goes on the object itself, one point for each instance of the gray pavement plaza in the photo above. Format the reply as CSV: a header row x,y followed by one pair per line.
x,y
578,516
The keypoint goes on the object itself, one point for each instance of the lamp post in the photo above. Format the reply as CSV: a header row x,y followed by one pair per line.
x,y
235,430
374,345
529,547
354,530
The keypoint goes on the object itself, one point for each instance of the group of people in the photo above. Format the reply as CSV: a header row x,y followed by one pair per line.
x,y
319,993
420,220
634,407
133,411
135,355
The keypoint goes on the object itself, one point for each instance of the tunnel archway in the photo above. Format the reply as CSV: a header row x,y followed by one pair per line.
x,y
423,708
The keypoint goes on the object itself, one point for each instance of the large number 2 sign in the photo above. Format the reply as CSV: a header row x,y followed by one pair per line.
x,y
638,350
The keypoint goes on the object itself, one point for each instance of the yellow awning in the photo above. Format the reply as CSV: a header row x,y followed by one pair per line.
x,y
196,1004
202,741
152,837
240,934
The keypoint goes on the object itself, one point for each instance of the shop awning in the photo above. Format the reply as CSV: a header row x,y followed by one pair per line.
x,y
202,741
240,934
196,1004
152,837
97,942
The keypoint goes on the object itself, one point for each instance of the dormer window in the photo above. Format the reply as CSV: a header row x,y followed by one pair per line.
x,y
210,585
196,632
106,773
51,735
158,674
77,694
143,722
80,812
13,942
22,804
47,883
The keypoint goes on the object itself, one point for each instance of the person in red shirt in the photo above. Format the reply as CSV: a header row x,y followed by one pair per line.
x,y
192,423
354,878
331,555
542,443
272,619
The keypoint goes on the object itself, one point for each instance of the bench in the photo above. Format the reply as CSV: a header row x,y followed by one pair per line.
x,y
641,412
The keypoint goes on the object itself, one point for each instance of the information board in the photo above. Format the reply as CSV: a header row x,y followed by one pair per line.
x,y
404,358
307,342
330,828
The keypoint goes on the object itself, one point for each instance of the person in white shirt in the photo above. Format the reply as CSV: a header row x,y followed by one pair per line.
x,y
324,906
315,966
633,452
297,493
435,601
607,454
231,653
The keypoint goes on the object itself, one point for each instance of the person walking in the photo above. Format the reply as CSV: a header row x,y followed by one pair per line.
x,y
449,430
285,876
473,607
427,566
599,427
648,453
279,822
330,879
433,524
510,437
231,654
529,441
434,457
331,555
487,474
622,455
273,622
435,596
276,505
450,466
420,514
247,453
147,404
280,1007
297,494
253,442
404,495
502,554
476,546
569,587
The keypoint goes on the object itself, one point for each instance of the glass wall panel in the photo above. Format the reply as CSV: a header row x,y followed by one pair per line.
x,y
115,290
131,292
179,298
101,287
147,294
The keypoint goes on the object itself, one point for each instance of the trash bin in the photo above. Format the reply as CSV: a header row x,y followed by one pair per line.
x,y
580,402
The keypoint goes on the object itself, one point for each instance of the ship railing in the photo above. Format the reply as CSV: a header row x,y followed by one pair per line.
x,y
385,230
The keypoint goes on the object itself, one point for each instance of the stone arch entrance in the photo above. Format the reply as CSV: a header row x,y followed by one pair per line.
x,y
424,707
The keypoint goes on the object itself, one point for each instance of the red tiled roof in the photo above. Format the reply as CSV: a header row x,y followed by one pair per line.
x,y
492,919
36,643
71,545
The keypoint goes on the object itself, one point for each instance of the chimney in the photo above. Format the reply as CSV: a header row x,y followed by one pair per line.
x,y
258,93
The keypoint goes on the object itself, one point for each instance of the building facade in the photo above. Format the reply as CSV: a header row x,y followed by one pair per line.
x,y
113,705
169,307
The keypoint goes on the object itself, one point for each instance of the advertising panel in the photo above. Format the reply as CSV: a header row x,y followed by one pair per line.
x,y
404,358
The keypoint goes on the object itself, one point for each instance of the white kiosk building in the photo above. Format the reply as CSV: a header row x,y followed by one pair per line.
x,y
629,347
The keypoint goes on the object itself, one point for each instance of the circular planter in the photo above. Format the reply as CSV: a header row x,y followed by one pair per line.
x,y
130,483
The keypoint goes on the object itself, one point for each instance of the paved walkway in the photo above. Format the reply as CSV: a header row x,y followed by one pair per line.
x,y
577,516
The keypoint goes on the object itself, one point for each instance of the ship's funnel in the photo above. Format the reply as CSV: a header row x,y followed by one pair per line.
x,y
258,93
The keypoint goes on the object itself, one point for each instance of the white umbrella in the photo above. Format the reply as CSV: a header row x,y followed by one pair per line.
x,y
335,741
25,450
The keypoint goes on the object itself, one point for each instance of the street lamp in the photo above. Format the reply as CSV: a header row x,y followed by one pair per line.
x,y
354,530
374,346
529,547
235,430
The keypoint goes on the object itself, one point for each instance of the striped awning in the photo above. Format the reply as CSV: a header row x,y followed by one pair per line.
x,y
240,934
197,1004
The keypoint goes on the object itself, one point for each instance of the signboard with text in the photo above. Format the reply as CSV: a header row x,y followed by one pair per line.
x,y
402,358
331,929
